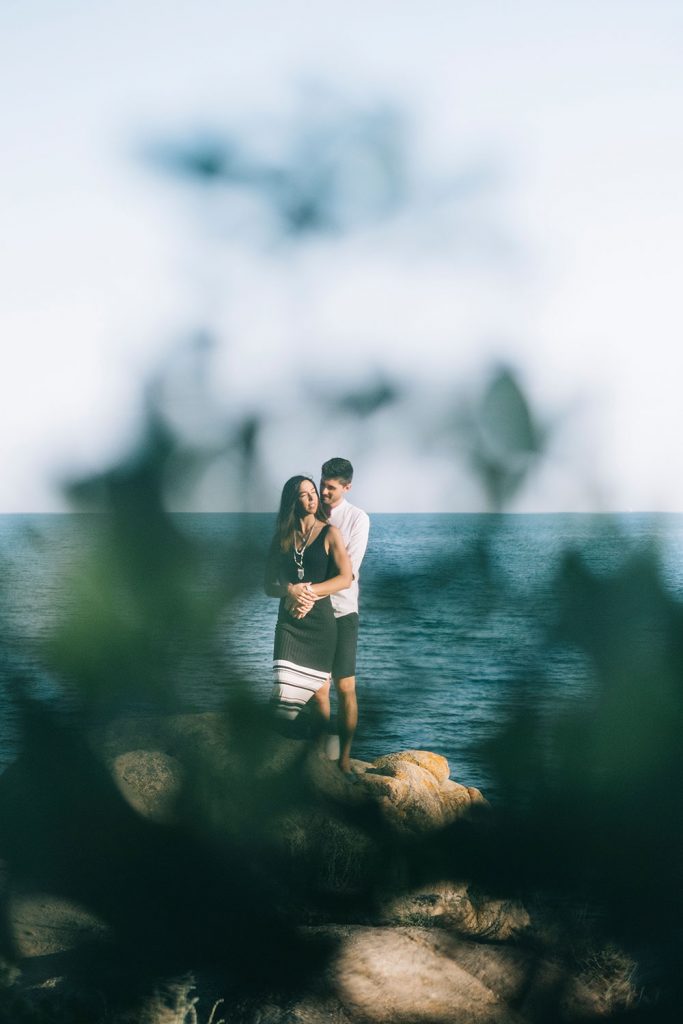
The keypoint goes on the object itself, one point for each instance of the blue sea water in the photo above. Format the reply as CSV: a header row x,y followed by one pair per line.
x,y
454,615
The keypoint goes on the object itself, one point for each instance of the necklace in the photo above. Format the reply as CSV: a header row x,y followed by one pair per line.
x,y
299,552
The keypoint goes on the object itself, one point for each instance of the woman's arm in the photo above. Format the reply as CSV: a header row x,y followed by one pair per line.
x,y
344,576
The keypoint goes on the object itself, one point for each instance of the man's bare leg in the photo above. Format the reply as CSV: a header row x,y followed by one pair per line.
x,y
347,714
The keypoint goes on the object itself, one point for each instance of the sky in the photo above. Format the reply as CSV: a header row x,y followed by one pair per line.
x,y
557,253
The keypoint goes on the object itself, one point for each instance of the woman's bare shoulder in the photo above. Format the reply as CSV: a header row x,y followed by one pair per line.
x,y
333,536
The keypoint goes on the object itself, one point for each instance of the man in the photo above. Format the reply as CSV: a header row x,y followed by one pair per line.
x,y
354,525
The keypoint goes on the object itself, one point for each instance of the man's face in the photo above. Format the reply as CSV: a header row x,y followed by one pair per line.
x,y
333,491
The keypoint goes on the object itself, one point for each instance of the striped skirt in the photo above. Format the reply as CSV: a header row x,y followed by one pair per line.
x,y
302,658
293,687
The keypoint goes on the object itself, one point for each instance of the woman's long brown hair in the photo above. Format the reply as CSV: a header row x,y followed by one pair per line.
x,y
290,511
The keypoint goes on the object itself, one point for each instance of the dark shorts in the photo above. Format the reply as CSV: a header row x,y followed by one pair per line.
x,y
347,641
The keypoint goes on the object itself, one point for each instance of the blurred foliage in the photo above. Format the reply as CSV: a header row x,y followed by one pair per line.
x,y
328,174
136,605
591,811
328,168
504,440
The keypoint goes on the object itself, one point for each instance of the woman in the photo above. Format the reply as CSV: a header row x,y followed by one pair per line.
x,y
307,560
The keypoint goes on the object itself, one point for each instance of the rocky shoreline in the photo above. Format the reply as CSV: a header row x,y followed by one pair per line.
x,y
176,866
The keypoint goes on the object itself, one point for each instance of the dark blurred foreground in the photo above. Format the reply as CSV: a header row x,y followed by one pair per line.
x,y
587,834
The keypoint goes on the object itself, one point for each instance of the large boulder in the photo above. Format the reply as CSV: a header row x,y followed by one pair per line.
x,y
412,790
408,975
418,975
346,838
395,941
320,837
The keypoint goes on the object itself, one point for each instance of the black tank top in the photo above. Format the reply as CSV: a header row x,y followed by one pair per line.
x,y
319,565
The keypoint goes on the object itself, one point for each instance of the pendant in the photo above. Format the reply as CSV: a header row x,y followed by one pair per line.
x,y
300,573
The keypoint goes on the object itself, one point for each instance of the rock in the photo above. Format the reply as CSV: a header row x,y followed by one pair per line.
x,y
387,975
393,764
42,924
174,734
332,837
411,788
150,781
410,792
452,905
202,740
368,850
413,974
408,975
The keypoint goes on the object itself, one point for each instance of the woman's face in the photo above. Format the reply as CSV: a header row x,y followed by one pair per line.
x,y
308,498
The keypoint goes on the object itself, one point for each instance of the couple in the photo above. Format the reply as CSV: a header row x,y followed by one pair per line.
x,y
313,567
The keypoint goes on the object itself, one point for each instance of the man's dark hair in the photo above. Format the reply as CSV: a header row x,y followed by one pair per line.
x,y
337,469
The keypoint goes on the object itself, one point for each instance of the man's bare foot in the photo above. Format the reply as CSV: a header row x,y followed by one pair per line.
x,y
347,771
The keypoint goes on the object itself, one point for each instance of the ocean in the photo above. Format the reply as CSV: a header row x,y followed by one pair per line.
x,y
456,615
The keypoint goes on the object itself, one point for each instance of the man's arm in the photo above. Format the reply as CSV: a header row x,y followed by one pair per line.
x,y
357,541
